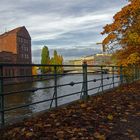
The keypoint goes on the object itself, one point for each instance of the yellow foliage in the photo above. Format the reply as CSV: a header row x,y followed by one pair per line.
x,y
99,136
110,117
124,31
83,105
133,59
34,70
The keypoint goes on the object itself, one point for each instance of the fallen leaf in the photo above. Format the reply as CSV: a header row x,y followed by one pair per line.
x,y
83,105
110,117
38,125
123,120
60,134
58,124
99,136
129,130
29,134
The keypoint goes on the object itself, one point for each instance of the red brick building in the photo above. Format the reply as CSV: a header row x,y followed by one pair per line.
x,y
15,48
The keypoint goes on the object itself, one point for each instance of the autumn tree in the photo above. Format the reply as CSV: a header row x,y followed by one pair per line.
x,y
34,70
45,59
57,60
125,33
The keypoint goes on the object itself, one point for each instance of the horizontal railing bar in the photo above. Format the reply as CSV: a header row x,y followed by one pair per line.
x,y
35,89
103,85
93,80
69,94
107,84
22,106
40,75
116,82
48,87
37,76
75,83
24,76
26,105
75,73
39,65
26,90
33,80
102,66
93,88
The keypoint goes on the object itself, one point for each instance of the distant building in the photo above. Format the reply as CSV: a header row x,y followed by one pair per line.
x,y
15,48
97,59
88,59
103,59
73,62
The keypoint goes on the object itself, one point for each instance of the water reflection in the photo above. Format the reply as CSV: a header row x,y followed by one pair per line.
x,y
31,97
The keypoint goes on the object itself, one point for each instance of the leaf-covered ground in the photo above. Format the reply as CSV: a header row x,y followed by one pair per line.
x,y
112,116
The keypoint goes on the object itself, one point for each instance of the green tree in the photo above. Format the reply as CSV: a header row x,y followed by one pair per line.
x,y
57,60
45,59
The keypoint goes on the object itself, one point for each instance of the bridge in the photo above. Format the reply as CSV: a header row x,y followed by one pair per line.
x,y
90,69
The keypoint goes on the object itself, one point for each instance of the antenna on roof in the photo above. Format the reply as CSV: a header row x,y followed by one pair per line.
x,y
5,29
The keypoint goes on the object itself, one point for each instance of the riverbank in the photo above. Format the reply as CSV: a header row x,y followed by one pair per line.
x,y
112,116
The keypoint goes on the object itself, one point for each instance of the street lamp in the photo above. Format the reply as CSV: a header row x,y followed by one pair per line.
x,y
103,46
103,52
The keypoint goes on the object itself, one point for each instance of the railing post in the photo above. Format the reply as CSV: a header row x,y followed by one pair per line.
x,y
55,85
133,68
135,72
102,83
137,68
85,84
113,75
121,74
1,97
138,73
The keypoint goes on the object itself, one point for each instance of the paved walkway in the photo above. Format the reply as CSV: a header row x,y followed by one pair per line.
x,y
112,116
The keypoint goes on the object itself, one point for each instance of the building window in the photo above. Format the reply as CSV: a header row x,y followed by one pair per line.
x,y
27,56
12,72
27,72
21,72
8,72
25,48
5,72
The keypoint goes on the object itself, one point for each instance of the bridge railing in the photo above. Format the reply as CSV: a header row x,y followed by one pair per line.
x,y
11,74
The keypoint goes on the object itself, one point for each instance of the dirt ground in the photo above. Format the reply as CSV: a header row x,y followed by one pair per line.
x,y
114,115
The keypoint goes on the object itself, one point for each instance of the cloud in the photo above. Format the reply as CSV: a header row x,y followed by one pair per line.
x,y
53,30
59,24
69,53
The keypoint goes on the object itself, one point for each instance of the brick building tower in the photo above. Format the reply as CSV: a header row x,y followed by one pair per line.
x,y
15,48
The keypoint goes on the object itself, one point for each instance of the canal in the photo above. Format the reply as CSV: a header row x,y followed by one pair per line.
x,y
30,97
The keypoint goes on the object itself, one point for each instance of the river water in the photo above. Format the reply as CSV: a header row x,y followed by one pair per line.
x,y
31,97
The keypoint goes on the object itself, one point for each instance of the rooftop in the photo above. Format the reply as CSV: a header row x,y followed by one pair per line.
x,y
12,31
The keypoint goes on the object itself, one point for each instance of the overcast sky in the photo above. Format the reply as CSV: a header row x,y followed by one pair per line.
x,y
71,26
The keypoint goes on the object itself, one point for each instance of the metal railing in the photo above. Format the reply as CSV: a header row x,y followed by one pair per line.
x,y
18,76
